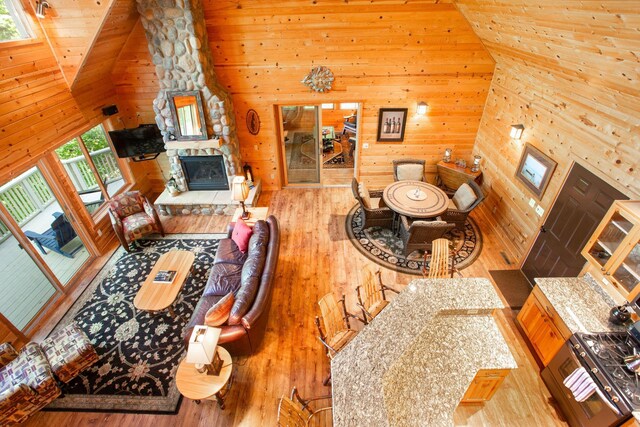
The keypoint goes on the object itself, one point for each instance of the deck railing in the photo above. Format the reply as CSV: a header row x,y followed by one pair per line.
x,y
28,195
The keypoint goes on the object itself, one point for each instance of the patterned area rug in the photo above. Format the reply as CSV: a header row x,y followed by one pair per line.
x,y
302,151
139,352
384,248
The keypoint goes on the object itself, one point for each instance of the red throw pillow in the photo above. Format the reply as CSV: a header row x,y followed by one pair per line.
x,y
241,235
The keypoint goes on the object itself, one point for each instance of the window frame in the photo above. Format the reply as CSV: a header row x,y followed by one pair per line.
x,y
24,25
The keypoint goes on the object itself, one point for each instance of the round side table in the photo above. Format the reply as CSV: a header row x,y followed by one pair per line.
x,y
200,386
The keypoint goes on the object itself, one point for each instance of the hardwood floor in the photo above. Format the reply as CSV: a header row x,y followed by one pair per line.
x,y
316,257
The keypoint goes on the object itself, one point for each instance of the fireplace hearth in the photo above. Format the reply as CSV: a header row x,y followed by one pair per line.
x,y
205,172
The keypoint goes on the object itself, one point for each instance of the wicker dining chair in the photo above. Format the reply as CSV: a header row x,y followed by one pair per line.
x,y
440,260
374,212
371,294
335,331
295,411
457,213
408,170
418,235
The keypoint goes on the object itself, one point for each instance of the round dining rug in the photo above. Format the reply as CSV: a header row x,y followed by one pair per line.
x,y
384,248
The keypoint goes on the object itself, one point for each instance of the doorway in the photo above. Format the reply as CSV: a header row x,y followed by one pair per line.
x,y
583,201
319,143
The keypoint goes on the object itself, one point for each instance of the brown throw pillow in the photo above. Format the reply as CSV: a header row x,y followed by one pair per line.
x,y
219,313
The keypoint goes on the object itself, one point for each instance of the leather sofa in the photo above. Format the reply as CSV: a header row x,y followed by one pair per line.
x,y
250,276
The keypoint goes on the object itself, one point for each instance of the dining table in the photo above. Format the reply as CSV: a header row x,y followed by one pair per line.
x,y
415,199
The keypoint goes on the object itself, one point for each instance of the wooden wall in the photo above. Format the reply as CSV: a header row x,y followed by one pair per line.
x,y
388,55
568,71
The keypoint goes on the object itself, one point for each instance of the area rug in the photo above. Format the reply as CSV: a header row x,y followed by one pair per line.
x,y
513,285
302,149
383,247
138,352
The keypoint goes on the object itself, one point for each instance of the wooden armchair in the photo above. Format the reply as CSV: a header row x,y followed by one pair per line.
x,y
296,411
440,260
335,332
133,217
372,294
408,170
56,237
459,206
373,210
418,235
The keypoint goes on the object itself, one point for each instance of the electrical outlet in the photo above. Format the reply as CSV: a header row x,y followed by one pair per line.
x,y
539,210
365,145
532,202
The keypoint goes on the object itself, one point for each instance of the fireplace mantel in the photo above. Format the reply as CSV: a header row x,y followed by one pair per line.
x,y
194,145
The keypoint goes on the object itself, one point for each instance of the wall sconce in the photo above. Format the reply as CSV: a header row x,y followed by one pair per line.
x,y
41,5
516,132
422,108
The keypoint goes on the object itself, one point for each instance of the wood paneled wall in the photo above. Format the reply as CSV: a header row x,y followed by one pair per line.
x,y
382,55
568,71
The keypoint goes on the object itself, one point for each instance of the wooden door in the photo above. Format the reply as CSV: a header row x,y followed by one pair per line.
x,y
582,203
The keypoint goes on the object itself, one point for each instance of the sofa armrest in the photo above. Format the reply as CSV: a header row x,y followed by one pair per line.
x,y
16,394
7,354
230,229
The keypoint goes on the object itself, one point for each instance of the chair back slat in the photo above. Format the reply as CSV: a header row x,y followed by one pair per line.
x,y
332,315
290,414
439,266
371,292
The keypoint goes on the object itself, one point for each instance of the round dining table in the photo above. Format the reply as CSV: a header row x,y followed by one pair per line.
x,y
415,199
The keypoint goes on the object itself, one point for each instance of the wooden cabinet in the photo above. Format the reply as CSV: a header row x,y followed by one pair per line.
x,y
484,385
453,177
614,249
544,329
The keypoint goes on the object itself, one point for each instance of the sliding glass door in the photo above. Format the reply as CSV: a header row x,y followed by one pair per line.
x,y
301,144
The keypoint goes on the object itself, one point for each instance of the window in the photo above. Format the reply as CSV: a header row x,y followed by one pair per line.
x,y
92,167
13,22
348,105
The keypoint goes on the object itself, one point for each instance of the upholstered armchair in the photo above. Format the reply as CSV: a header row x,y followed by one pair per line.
x,y
133,217
465,199
373,210
26,383
408,170
418,235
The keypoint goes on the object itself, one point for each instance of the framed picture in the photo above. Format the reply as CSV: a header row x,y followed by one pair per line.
x,y
253,122
535,170
391,122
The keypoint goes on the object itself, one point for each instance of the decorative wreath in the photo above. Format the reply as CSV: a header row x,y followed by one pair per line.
x,y
319,79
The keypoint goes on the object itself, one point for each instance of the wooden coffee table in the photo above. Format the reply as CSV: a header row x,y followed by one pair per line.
x,y
200,386
154,296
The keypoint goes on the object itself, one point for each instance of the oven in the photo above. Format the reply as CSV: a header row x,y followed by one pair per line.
x,y
603,408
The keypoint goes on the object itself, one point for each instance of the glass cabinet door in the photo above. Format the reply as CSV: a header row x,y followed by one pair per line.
x,y
610,238
627,274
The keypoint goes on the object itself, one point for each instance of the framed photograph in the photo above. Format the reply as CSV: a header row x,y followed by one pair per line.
x,y
391,122
535,170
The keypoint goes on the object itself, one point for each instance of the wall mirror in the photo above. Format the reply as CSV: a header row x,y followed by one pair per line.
x,y
188,115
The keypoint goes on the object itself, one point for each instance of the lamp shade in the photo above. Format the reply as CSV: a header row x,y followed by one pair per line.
x,y
240,190
422,108
202,344
516,131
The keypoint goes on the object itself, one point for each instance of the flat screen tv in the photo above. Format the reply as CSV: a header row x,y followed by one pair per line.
x,y
142,143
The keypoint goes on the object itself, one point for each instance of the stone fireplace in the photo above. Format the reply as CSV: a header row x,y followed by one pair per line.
x,y
204,172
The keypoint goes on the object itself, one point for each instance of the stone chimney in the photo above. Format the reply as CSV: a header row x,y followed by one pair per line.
x,y
177,39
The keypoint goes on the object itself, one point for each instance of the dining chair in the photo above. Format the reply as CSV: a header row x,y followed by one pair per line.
x,y
465,199
371,294
295,411
333,326
440,260
373,211
418,235
408,170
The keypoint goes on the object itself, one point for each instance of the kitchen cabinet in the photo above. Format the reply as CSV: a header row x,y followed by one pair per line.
x,y
542,325
484,385
613,251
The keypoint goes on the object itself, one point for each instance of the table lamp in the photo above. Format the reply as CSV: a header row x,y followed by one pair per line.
x,y
240,192
202,349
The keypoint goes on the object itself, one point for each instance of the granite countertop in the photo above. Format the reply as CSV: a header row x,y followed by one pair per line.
x,y
426,346
580,302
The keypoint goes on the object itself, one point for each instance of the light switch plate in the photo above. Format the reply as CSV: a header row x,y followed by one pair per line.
x,y
532,202
365,145
539,210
